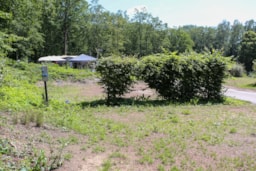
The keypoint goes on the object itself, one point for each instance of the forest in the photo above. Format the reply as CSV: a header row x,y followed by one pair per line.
x,y
30,29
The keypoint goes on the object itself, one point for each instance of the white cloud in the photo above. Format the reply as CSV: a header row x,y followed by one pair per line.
x,y
139,8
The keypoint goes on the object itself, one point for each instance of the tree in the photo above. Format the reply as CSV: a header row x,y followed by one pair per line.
x,y
222,36
71,20
237,32
98,32
26,23
248,50
203,37
250,25
180,41
145,34
6,39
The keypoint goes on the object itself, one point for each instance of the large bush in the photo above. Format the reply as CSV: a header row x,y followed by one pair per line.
x,y
117,76
182,78
175,78
163,74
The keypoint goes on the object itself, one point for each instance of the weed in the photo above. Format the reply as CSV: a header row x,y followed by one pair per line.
x,y
106,166
120,142
161,168
40,162
117,155
73,140
5,147
84,147
174,168
174,119
67,156
186,112
233,131
26,118
39,119
15,119
98,149
146,159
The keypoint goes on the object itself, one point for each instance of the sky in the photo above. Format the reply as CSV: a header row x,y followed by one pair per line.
x,y
189,12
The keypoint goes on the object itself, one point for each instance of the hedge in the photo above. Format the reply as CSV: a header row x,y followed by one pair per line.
x,y
175,78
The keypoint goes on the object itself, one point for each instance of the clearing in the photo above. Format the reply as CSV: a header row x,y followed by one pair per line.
x,y
143,136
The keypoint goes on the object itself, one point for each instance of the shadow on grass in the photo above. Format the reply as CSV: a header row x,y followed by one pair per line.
x,y
147,102
253,85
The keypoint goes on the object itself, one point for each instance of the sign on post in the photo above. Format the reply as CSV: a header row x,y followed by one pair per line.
x,y
45,78
45,73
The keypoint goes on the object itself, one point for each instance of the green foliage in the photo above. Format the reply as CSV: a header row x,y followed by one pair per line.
x,y
2,63
57,72
182,78
237,70
19,78
6,38
18,81
180,41
248,50
150,69
106,166
176,78
117,76
213,76
55,27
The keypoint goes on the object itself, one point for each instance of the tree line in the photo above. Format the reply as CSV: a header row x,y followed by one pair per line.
x,y
30,29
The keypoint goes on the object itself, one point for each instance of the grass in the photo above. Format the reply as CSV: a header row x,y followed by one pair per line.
x,y
151,134
242,82
161,134
166,134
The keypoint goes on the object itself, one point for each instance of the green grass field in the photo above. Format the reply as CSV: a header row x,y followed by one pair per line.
x,y
242,82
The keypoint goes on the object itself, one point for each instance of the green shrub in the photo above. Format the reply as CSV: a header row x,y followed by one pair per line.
x,y
182,78
213,75
170,76
191,80
237,70
150,69
57,72
117,76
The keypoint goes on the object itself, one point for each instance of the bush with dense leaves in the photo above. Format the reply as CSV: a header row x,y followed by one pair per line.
x,y
182,78
117,75
175,78
213,76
